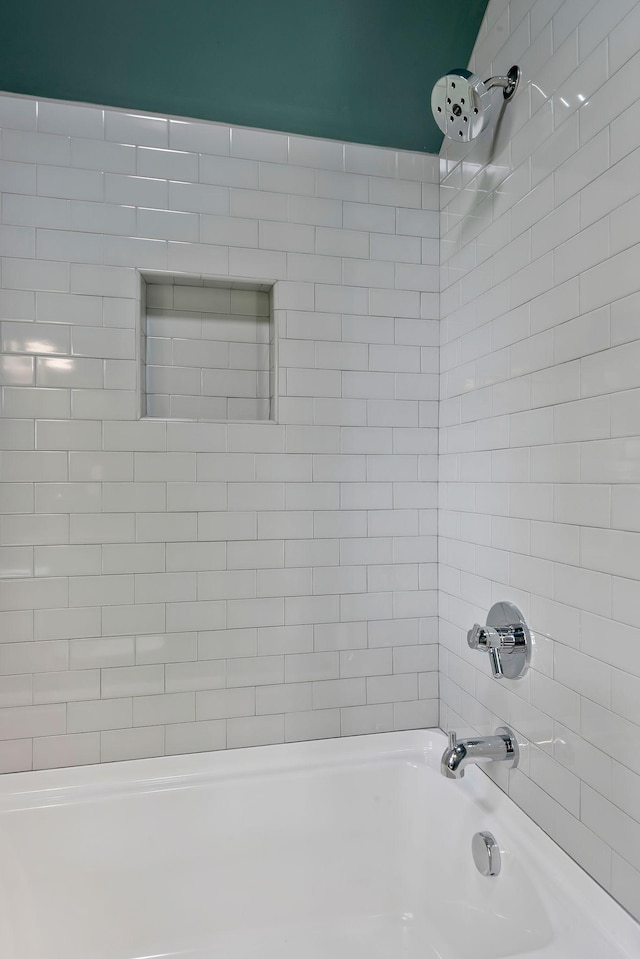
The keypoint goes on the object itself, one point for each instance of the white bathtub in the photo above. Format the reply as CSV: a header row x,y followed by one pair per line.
x,y
341,849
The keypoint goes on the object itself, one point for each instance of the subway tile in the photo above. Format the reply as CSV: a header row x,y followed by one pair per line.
x,y
609,101
255,731
97,528
16,497
75,749
342,186
287,698
102,155
19,177
140,743
192,676
223,643
17,434
18,113
186,616
609,461
370,160
35,211
305,151
621,651
315,210
225,703
287,236
258,205
35,657
93,716
286,178
165,527
160,709
167,164
65,624
360,720
125,681
17,241
69,183
185,257
136,128
17,625
255,671
90,653
195,737
221,527
16,561
255,612
144,191
27,146
165,648
587,676
66,687
614,274
609,551
420,714
259,145
16,755
392,689
391,192
369,218
34,529
30,594
312,724
199,137
25,722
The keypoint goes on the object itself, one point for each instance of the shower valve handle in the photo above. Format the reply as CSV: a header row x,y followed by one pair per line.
x,y
492,641
484,637
506,639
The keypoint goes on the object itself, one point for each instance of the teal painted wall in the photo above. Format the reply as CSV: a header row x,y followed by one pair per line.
x,y
357,70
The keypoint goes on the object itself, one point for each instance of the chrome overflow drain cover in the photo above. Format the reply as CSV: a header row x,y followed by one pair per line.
x,y
486,853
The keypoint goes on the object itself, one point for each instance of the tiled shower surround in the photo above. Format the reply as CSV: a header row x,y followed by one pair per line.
x,y
169,585
174,586
540,420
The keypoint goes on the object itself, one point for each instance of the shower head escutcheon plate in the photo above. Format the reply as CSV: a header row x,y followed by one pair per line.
x,y
462,104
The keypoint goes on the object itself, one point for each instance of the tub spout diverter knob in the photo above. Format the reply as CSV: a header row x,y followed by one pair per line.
x,y
507,640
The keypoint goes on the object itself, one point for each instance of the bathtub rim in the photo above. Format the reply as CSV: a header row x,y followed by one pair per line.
x,y
199,767
23,791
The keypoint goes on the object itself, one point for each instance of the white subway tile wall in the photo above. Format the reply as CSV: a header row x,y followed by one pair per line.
x,y
540,434
179,586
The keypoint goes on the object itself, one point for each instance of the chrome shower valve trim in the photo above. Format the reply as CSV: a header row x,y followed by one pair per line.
x,y
507,640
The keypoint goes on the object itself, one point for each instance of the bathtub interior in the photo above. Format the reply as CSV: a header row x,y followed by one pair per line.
x,y
281,852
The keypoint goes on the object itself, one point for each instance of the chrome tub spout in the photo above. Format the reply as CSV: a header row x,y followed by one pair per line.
x,y
460,753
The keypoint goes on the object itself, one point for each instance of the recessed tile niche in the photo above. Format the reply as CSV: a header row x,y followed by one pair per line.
x,y
206,349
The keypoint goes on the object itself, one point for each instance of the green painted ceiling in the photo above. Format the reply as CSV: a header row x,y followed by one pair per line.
x,y
357,70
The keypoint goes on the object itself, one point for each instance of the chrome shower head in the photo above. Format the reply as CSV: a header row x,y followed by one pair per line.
x,y
462,104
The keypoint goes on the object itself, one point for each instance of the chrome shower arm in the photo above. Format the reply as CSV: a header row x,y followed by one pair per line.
x,y
504,82
509,83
